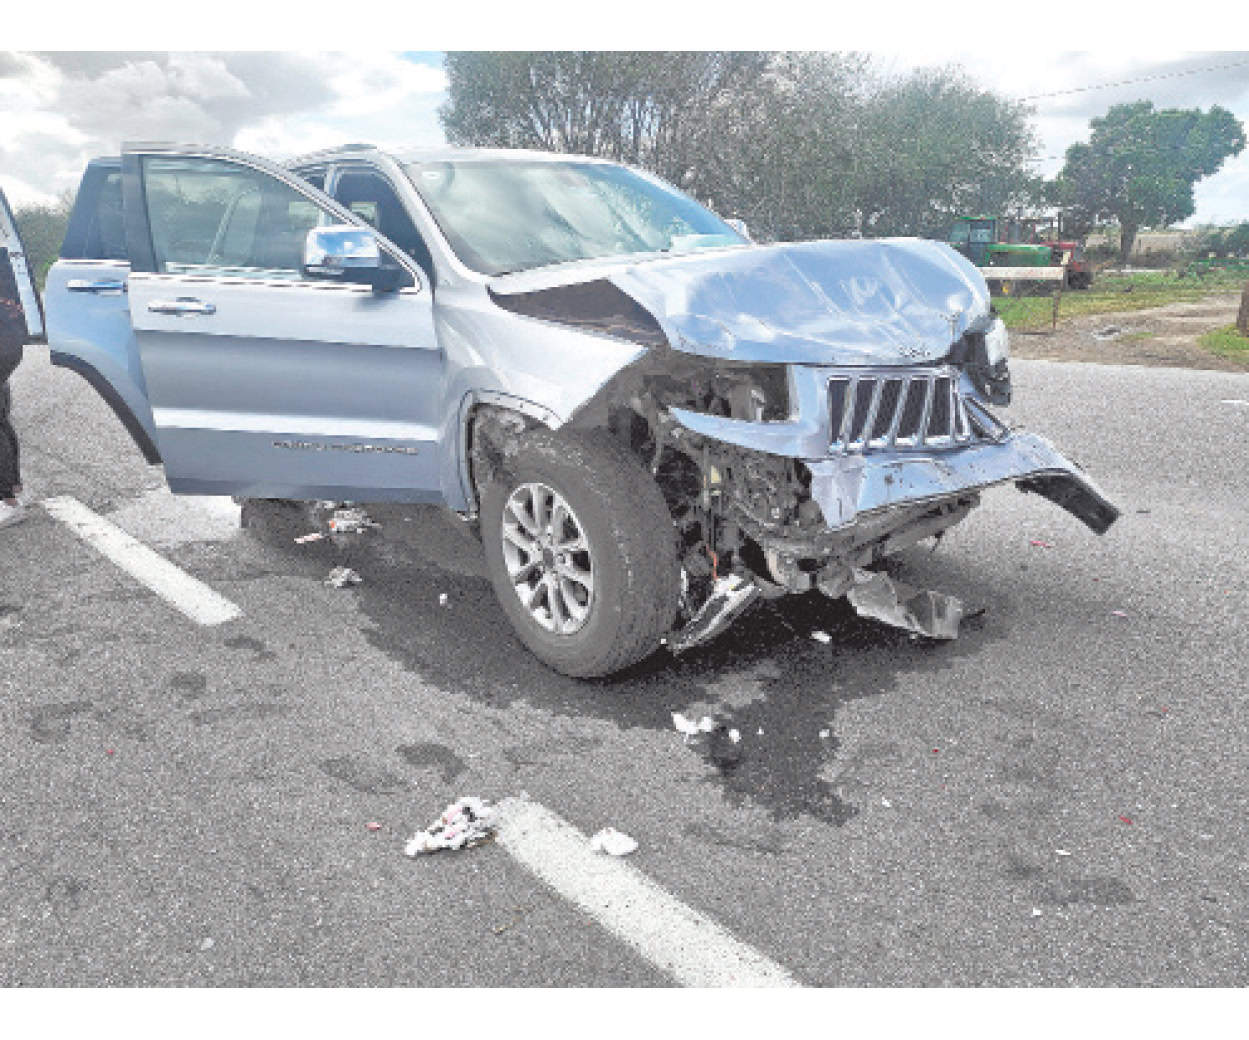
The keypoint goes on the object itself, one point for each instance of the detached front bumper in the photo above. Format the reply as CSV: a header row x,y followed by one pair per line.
x,y
850,488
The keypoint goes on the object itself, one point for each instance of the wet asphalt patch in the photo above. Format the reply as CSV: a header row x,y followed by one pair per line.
x,y
462,643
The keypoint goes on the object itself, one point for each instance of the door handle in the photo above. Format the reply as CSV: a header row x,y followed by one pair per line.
x,y
182,305
102,286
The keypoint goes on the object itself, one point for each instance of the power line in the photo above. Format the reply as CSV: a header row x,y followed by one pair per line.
x,y
1139,79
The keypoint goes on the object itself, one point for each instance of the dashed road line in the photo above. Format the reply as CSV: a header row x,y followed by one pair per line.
x,y
691,948
181,591
1235,401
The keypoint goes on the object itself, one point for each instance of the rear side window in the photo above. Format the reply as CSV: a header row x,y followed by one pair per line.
x,y
97,229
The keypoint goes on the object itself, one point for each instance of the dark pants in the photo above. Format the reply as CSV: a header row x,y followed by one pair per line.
x,y
10,474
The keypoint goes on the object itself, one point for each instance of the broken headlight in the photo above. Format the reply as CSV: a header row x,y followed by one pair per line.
x,y
754,393
985,356
997,343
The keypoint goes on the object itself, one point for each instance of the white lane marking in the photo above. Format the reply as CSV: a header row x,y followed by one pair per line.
x,y
189,595
691,948
163,520
1235,400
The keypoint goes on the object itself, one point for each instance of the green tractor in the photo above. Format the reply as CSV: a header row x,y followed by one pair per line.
x,y
994,242
1002,242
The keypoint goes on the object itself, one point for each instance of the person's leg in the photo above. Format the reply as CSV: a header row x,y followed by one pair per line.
x,y
10,472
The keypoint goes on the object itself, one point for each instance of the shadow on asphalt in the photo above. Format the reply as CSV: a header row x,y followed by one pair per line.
x,y
467,646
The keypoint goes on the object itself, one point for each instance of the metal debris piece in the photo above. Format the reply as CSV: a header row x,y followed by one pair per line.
x,y
314,536
351,521
729,596
928,613
341,577
463,824
613,842
1118,613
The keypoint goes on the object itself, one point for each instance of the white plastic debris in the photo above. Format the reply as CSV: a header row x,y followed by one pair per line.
x,y
1061,852
824,734
613,842
760,733
442,599
886,803
314,536
821,637
340,577
463,824
207,943
1036,911
735,736
350,521
689,727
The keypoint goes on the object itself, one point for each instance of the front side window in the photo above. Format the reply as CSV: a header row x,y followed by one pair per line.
x,y
511,216
211,216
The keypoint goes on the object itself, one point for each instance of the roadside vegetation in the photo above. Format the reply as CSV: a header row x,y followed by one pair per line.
x,y
1116,293
1227,342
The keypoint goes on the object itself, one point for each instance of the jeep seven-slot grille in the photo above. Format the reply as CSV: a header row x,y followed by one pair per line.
x,y
870,411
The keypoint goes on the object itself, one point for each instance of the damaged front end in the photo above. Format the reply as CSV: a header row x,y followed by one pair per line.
x,y
798,467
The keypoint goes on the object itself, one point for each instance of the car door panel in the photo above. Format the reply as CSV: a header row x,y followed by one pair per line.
x,y
17,281
261,382
254,399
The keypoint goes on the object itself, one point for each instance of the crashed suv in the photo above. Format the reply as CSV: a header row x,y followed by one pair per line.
x,y
653,420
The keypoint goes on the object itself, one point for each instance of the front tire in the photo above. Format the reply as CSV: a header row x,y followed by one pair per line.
x,y
581,552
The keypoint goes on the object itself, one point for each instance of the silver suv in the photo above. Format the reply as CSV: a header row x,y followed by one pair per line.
x,y
653,419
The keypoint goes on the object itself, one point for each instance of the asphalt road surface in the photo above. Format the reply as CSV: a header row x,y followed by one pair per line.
x,y
1056,798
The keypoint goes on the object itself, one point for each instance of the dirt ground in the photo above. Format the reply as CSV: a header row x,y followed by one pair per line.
x,y
1157,336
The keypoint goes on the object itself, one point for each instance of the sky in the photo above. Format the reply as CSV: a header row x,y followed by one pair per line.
x,y
59,107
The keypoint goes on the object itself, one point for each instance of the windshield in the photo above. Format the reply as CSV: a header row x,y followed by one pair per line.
x,y
510,216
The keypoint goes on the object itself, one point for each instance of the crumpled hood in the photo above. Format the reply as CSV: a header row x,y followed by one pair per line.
x,y
879,301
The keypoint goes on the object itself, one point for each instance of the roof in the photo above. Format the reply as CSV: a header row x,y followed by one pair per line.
x,y
446,153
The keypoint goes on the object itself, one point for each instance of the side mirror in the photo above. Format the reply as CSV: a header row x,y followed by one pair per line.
x,y
330,252
349,254
740,227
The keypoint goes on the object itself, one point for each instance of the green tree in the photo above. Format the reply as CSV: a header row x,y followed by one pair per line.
x,y
42,228
639,107
1140,165
932,146
799,144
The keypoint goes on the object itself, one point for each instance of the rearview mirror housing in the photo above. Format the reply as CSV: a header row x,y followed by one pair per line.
x,y
349,254
340,250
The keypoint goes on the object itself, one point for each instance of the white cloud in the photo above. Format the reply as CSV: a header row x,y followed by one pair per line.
x,y
58,109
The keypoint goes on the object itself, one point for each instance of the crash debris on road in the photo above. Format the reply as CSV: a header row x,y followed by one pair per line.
x,y
351,521
341,577
720,742
927,613
463,824
613,842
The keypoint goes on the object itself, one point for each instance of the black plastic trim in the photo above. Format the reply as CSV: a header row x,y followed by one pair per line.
x,y
105,389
